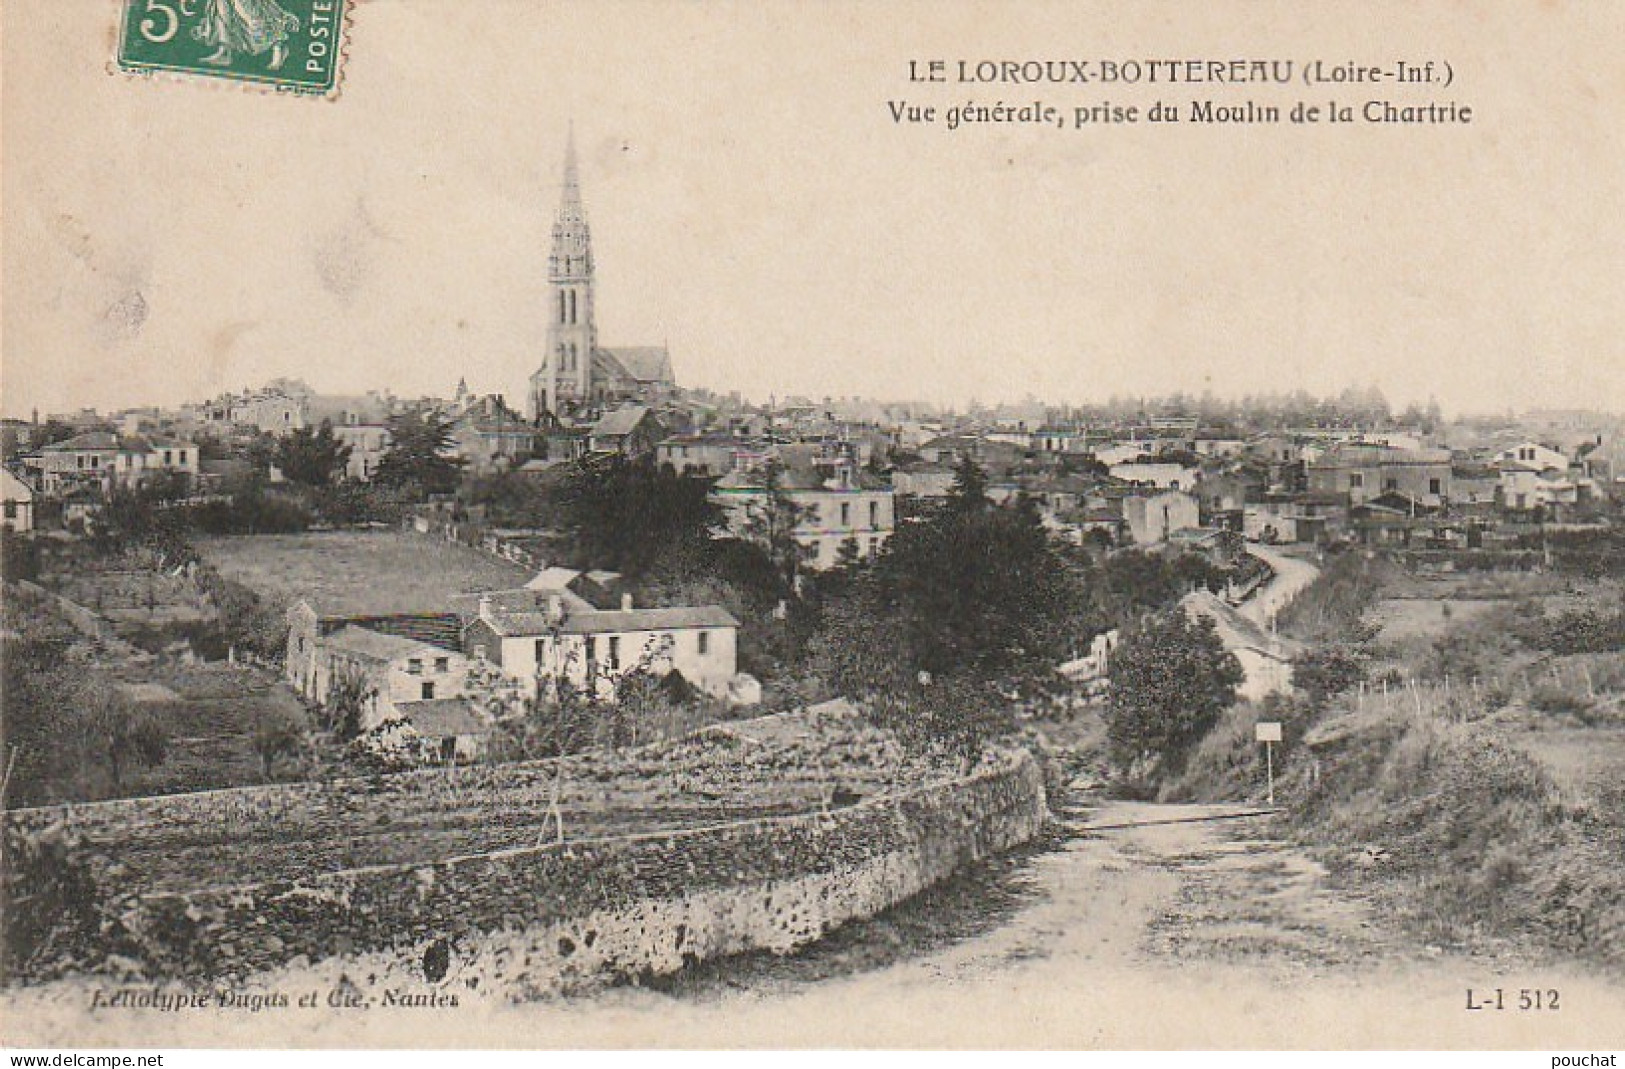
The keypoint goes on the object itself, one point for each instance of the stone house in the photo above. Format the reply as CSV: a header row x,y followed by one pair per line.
x,y
489,435
397,671
1362,471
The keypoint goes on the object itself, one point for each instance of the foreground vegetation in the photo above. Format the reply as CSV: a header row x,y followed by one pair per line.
x,y
1417,760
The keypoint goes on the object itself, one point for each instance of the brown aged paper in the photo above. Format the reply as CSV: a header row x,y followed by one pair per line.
x,y
397,235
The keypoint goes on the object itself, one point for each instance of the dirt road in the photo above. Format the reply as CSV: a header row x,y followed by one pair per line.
x,y
1197,934
1292,574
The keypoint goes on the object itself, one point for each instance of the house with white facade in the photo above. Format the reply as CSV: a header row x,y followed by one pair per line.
x,y
1152,517
538,637
1532,455
830,512
17,499
1164,475
102,458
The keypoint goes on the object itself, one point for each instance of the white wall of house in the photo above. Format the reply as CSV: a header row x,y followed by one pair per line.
x,y
17,501
1162,476
1533,454
1152,519
707,657
829,518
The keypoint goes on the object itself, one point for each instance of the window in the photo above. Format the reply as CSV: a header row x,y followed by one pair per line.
x,y
592,649
541,649
846,514
428,689
169,457
442,664
874,514
1433,486
11,510
1390,484
614,652
414,666
705,642
1356,480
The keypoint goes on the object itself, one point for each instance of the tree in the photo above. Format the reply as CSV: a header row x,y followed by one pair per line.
x,y
142,517
627,513
419,455
1170,679
980,591
130,734
312,457
1322,672
771,522
968,493
348,692
277,735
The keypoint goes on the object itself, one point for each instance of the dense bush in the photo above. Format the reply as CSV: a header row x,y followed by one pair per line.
x,y
1331,607
1322,672
1170,680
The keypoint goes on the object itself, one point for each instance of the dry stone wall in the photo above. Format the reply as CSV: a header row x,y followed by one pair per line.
x,y
527,922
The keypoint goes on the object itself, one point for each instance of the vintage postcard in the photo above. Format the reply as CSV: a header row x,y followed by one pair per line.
x,y
1036,525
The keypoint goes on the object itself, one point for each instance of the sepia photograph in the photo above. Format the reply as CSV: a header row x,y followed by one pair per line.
x,y
653,525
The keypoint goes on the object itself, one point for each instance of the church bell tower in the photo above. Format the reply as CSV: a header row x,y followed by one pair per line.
x,y
564,380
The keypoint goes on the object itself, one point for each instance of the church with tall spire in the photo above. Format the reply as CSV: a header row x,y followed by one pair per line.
x,y
578,379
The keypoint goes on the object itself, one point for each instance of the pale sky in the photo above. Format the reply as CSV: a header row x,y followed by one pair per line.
x,y
754,205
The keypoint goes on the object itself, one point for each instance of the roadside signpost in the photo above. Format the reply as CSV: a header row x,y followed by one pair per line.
x,y
1269,733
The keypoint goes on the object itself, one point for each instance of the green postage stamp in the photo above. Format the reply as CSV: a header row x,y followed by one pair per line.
x,y
291,44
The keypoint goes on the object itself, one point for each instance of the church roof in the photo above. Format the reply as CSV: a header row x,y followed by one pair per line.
x,y
641,363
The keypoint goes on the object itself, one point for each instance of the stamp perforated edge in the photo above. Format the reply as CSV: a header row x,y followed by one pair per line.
x,y
116,68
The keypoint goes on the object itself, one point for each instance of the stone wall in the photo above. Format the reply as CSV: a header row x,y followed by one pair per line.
x,y
525,922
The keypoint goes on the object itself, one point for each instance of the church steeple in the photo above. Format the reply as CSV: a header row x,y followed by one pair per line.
x,y
565,378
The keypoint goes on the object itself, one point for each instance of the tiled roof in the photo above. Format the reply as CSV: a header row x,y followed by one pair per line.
x,y
593,622
439,718
621,421
364,642
88,440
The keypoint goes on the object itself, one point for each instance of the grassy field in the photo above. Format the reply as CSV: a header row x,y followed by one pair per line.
x,y
358,572
1582,761
1407,618
211,720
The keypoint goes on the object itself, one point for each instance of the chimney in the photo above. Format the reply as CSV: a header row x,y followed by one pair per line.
x,y
485,607
626,602
555,608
